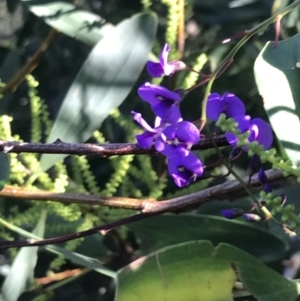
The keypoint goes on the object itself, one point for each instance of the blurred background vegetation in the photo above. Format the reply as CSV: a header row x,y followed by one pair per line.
x,y
36,102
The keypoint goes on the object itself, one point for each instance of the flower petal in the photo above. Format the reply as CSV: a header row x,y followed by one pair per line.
x,y
214,106
192,163
153,94
265,135
167,112
233,105
163,58
142,122
145,140
154,69
187,132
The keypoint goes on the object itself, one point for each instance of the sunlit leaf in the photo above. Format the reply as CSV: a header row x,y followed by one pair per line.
x,y
277,73
104,82
198,271
22,268
68,19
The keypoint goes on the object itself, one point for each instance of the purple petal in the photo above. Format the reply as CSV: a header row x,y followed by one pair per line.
x,y
142,122
214,106
170,132
265,135
154,69
145,140
171,150
232,213
231,138
191,166
187,132
154,94
167,112
232,105
262,177
163,58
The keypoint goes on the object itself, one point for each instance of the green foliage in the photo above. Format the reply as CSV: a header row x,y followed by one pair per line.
x,y
198,271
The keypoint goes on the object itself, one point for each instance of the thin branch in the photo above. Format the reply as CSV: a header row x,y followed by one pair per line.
x,y
32,63
60,147
71,198
151,208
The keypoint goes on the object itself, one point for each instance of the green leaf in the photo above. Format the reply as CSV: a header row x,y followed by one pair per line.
x,y
104,82
181,272
22,268
80,259
198,271
277,73
161,231
67,18
4,169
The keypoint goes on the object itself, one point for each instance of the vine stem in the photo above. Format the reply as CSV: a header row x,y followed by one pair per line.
x,y
229,57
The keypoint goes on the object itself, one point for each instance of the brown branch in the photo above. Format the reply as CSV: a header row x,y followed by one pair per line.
x,y
60,147
71,198
150,208
32,63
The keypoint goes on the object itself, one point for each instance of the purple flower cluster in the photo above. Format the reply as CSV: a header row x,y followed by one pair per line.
x,y
173,137
233,107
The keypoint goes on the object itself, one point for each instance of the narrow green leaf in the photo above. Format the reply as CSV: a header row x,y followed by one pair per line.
x,y
161,231
80,259
104,82
196,271
22,268
67,18
277,73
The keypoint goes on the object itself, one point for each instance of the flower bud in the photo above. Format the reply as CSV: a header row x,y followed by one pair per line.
x,y
262,176
250,217
232,213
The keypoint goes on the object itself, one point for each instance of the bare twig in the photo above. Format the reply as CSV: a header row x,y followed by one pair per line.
x,y
32,63
152,208
60,147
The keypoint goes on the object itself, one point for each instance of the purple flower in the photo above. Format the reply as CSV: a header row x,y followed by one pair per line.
x,y
260,131
163,102
229,104
183,134
163,67
184,169
146,139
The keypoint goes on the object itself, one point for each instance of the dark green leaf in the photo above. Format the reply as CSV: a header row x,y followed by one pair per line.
x,y
4,169
161,231
22,268
277,73
67,18
104,82
198,271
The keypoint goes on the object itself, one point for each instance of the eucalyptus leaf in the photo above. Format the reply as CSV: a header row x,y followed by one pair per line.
x,y
67,18
277,73
198,271
23,267
104,82
161,231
